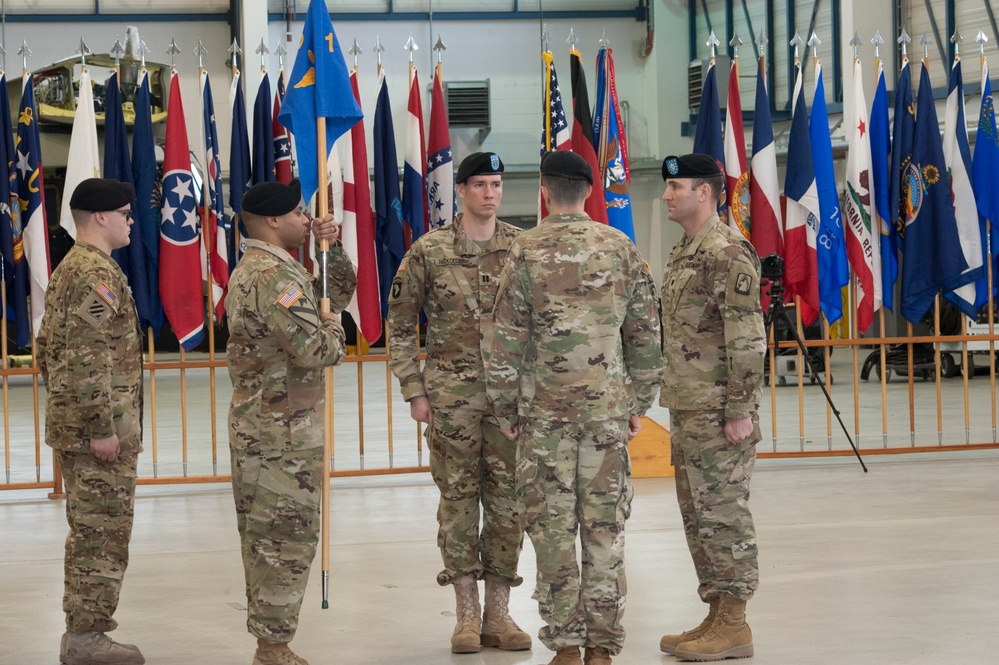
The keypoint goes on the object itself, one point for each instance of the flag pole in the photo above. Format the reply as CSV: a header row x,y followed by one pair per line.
x,y
3,355
989,276
378,50
877,41
322,203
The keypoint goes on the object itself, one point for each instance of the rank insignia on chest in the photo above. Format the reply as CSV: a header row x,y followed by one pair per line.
x,y
289,297
743,283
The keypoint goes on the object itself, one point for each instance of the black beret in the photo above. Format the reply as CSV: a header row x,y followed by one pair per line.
x,y
272,199
479,163
694,165
566,164
101,195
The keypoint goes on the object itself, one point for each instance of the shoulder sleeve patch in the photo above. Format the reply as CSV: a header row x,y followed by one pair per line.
x,y
105,292
289,297
96,309
743,284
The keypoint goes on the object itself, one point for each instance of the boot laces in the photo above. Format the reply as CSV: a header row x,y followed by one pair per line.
x,y
468,612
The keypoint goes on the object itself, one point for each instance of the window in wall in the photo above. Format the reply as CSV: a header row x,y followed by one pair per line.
x,y
778,20
934,19
470,6
92,7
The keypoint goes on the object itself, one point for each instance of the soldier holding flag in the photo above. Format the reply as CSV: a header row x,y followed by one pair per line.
x,y
279,343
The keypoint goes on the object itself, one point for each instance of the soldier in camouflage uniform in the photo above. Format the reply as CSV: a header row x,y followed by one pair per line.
x,y
577,302
713,344
451,274
90,355
279,344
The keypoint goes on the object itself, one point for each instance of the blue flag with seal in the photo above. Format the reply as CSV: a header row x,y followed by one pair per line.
x,y
15,270
830,245
932,258
708,132
903,131
985,173
390,237
880,170
319,87
239,165
118,166
147,199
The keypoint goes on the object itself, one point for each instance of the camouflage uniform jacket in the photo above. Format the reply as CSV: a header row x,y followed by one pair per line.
x,y
90,354
578,300
713,339
278,347
454,282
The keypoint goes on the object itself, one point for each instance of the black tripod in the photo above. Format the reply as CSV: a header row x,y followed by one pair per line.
x,y
777,309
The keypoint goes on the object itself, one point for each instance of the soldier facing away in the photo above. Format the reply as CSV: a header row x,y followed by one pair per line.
x,y
90,355
578,304
713,344
451,274
279,344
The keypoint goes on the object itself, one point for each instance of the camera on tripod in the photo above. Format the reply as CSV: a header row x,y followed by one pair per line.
x,y
772,267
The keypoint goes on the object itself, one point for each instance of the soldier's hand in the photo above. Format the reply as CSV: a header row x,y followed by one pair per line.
x,y
107,449
419,409
634,426
329,316
737,429
325,229
511,433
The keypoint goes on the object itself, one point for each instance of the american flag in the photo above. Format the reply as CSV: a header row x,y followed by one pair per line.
x,y
289,297
555,133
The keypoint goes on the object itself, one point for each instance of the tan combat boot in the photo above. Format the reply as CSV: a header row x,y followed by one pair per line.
x,y
668,643
727,637
465,638
498,629
597,656
566,656
275,653
96,648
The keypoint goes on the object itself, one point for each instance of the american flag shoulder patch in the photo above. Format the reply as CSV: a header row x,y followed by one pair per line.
x,y
106,293
289,297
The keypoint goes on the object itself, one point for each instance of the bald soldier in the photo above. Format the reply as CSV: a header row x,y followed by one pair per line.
x,y
578,302
90,355
713,344
279,343
451,274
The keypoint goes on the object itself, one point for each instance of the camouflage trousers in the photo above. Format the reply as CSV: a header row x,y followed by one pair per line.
x,y
100,506
712,489
576,477
473,463
277,497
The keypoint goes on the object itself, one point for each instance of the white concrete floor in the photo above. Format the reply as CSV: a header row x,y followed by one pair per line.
x,y
899,565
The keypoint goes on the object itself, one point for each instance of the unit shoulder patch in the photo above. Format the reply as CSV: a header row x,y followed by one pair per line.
x,y
743,283
98,306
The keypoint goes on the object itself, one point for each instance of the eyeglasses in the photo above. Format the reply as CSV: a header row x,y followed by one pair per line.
x,y
126,213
